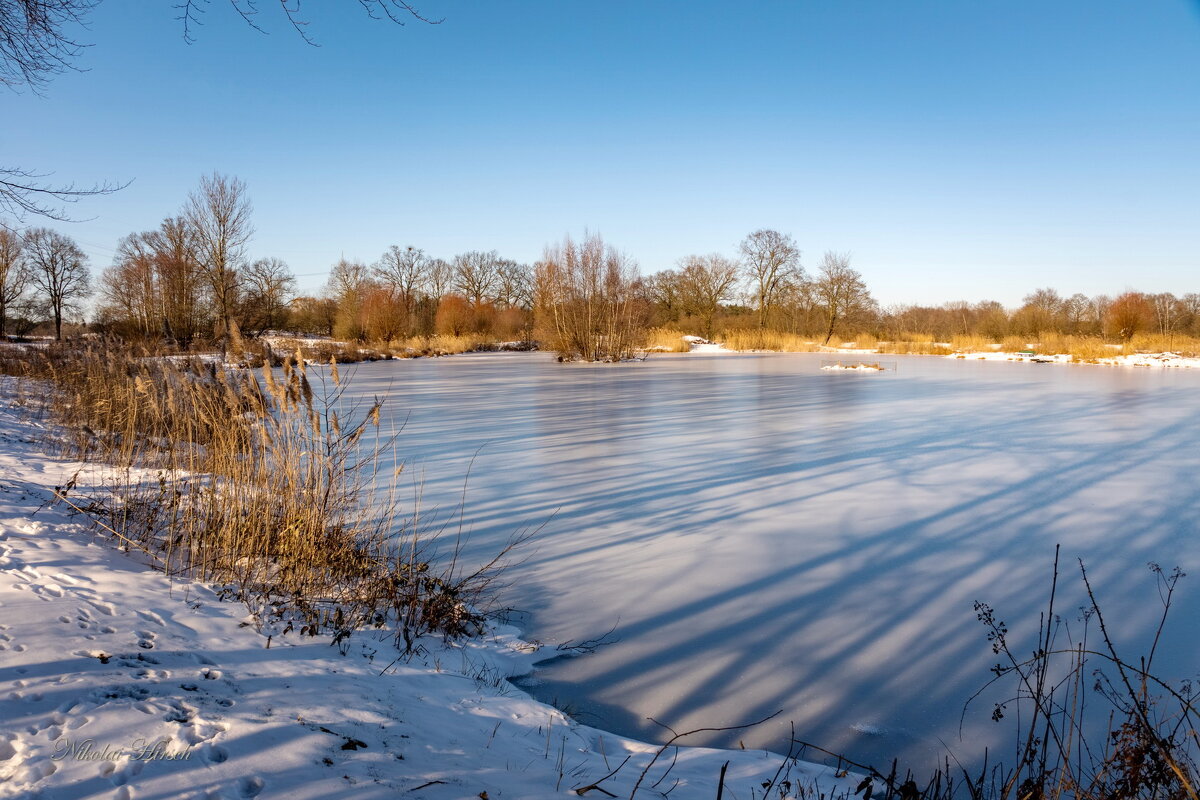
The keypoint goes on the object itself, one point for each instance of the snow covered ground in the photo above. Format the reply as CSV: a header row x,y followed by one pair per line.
x,y
118,682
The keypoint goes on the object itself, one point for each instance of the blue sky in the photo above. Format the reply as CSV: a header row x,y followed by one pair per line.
x,y
957,150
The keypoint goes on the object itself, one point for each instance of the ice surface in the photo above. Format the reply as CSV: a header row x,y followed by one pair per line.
x,y
771,536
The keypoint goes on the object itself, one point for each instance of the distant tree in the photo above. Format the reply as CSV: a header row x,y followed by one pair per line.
x,y
455,316
186,306
348,284
1168,313
267,288
1190,306
1040,311
218,213
662,289
1127,315
59,271
514,285
130,300
15,277
772,262
404,269
476,275
704,283
841,291
1077,313
587,300
441,278
313,315
384,313
347,278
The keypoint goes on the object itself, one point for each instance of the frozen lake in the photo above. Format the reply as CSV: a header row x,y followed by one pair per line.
x,y
769,536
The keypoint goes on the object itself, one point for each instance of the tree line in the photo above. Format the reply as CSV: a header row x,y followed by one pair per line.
x,y
191,281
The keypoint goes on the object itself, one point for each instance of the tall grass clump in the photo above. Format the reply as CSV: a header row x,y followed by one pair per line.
x,y
767,339
265,484
667,340
971,343
915,343
1165,342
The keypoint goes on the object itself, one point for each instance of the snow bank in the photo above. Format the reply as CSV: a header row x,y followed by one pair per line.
x,y
1160,360
853,368
116,681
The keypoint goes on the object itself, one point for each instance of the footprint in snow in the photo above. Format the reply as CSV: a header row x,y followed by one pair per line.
x,y
251,787
214,754
11,748
150,616
103,607
127,771
46,590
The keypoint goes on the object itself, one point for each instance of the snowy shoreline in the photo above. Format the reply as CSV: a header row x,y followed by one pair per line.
x,y
1163,360
118,681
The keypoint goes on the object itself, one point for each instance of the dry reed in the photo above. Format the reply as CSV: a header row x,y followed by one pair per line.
x,y
266,486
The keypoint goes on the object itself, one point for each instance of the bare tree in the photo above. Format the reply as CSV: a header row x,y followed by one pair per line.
x,y
840,290
704,283
219,216
1042,310
1189,305
1169,313
129,291
1076,311
268,286
800,306
347,277
514,285
59,271
772,262
15,277
586,297
313,314
476,275
349,282
662,289
441,278
404,269
185,306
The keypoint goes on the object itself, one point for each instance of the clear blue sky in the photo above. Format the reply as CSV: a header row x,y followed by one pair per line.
x,y
959,150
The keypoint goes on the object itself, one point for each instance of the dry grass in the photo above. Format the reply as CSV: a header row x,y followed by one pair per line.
x,y
906,346
866,341
668,340
1159,343
968,343
766,339
322,350
263,485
